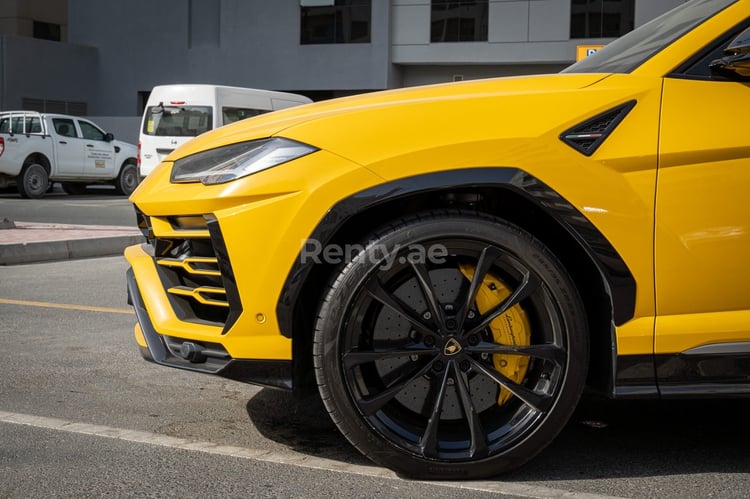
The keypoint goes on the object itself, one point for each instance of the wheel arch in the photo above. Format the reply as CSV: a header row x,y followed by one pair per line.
x,y
39,158
605,284
127,161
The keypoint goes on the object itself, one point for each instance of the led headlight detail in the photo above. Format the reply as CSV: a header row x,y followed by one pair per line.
x,y
224,164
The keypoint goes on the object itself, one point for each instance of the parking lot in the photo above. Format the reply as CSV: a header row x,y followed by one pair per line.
x,y
81,414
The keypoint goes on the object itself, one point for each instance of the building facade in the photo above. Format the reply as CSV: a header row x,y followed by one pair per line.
x,y
109,55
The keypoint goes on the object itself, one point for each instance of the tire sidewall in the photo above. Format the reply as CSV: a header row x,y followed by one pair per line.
x,y
122,184
29,176
334,311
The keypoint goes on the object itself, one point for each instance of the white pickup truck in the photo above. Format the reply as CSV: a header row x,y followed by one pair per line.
x,y
39,148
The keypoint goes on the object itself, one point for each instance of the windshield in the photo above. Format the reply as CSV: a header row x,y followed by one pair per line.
x,y
177,121
630,51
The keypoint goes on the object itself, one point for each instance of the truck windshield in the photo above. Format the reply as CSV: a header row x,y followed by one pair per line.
x,y
177,121
630,51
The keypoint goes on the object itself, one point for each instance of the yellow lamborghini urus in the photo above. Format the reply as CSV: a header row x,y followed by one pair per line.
x,y
451,265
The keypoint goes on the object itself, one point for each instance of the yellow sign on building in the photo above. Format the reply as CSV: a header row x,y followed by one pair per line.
x,y
586,50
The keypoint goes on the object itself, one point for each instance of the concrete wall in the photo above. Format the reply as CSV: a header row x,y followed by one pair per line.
x,y
17,16
428,74
524,37
521,32
40,69
256,43
121,49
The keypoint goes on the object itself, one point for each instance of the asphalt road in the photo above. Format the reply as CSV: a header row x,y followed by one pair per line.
x,y
82,415
101,205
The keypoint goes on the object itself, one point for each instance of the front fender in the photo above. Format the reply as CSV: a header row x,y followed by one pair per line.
x,y
620,283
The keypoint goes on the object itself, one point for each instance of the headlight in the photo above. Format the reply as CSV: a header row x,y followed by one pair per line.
x,y
224,164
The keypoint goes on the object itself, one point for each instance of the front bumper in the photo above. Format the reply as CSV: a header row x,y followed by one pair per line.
x,y
190,312
205,358
206,286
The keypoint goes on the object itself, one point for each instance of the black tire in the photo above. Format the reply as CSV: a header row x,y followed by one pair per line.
x,y
73,188
415,374
127,180
33,181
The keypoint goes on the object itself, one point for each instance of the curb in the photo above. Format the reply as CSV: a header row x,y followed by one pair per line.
x,y
45,251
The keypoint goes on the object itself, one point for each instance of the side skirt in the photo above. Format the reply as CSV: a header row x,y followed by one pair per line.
x,y
721,370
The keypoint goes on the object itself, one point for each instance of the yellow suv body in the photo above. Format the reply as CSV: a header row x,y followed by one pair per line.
x,y
452,264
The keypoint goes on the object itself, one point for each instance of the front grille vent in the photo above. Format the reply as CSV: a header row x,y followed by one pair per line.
x,y
211,294
589,135
195,285
193,267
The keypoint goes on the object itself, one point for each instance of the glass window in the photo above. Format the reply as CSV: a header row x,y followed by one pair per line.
x,y
17,126
174,121
627,53
339,21
601,18
34,125
64,127
459,21
232,114
47,31
90,132
698,67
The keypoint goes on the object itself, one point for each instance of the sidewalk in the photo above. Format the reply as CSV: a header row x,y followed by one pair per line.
x,y
31,242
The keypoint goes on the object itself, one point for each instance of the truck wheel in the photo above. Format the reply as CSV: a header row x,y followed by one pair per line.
x,y
453,346
73,188
33,181
127,180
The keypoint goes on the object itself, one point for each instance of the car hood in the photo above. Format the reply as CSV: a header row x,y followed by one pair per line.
x,y
368,127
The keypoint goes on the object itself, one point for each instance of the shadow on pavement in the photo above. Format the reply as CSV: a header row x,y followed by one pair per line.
x,y
302,425
647,438
604,438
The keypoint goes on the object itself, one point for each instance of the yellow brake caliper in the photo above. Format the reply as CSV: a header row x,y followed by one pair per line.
x,y
510,328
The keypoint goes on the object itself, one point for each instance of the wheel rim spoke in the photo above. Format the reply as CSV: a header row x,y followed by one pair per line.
x,y
549,352
425,284
478,439
528,286
484,263
355,358
537,401
371,405
429,440
375,289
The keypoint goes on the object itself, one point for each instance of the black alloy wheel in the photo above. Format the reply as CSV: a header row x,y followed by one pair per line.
x,y
453,346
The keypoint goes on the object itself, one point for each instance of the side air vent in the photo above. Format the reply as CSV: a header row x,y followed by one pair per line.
x,y
589,135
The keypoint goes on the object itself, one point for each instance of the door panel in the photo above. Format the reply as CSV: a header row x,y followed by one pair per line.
x,y
99,158
69,150
702,243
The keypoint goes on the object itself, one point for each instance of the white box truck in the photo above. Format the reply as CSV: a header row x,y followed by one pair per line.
x,y
176,113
